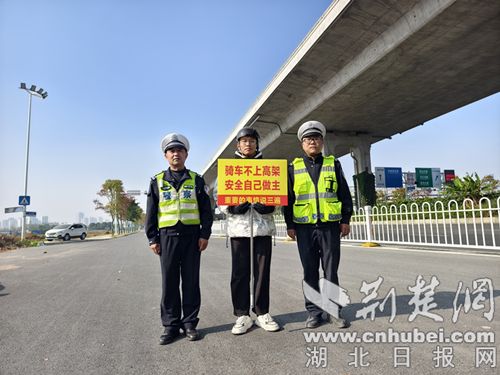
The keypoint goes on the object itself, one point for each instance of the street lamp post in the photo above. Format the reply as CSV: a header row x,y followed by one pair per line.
x,y
41,94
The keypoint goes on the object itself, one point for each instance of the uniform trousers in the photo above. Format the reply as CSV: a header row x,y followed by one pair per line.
x,y
318,243
180,259
240,274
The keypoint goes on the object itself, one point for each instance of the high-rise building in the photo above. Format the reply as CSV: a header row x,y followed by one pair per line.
x,y
45,219
12,223
81,215
33,220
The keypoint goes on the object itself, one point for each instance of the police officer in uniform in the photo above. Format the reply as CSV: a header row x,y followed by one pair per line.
x,y
178,226
318,213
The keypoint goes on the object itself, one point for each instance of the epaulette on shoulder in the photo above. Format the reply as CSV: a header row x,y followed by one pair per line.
x,y
156,174
196,173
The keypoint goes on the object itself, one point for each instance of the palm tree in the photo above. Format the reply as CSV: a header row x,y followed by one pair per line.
x,y
472,187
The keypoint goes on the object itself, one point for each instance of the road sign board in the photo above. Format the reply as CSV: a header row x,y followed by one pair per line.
x,y
424,177
436,178
24,200
449,175
388,177
380,177
30,213
393,177
10,210
133,192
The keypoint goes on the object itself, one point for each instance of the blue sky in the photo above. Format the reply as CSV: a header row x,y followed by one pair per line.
x,y
122,74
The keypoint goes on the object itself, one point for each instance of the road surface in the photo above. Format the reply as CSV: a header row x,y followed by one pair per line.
x,y
92,307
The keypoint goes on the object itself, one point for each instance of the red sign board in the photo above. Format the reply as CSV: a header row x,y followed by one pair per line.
x,y
449,175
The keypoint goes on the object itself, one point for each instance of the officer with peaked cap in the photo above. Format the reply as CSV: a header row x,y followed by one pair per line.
x,y
318,213
178,226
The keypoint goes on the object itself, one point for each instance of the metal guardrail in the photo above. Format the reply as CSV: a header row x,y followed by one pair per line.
x,y
457,225
465,225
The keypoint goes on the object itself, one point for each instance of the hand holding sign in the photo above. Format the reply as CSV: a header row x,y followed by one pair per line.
x,y
262,208
241,209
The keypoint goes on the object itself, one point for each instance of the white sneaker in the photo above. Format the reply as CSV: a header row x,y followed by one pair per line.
x,y
242,325
267,322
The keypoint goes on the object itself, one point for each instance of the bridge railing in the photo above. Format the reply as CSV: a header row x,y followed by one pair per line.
x,y
463,225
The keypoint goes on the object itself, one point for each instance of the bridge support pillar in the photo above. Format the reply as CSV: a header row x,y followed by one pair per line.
x,y
361,154
364,180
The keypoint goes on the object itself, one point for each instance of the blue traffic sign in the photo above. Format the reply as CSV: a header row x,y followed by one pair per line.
x,y
24,200
393,177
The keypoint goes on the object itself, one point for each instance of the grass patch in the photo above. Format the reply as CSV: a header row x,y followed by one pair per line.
x,y
8,242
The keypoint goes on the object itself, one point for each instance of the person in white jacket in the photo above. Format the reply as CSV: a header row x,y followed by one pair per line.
x,y
238,227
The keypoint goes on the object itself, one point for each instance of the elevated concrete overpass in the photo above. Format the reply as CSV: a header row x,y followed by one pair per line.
x,y
370,69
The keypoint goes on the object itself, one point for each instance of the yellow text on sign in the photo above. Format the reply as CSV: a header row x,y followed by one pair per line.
x,y
252,180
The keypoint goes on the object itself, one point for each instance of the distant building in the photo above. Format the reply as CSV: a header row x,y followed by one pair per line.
x,y
81,215
33,220
45,219
12,223
8,224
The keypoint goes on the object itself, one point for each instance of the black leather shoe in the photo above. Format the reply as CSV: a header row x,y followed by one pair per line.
x,y
313,321
192,334
168,337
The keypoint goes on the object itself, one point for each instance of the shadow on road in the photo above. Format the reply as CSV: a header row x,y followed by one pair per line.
x,y
294,317
2,288
282,319
215,329
443,300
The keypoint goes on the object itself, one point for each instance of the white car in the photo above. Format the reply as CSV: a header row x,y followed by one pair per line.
x,y
67,231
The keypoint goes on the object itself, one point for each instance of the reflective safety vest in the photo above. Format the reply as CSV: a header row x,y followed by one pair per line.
x,y
176,205
308,198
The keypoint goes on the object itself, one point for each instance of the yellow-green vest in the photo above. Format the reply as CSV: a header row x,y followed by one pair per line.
x,y
307,199
175,206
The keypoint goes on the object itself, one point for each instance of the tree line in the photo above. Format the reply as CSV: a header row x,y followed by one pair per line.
x,y
121,207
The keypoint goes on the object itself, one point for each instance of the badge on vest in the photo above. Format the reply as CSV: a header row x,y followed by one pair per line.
x,y
167,195
329,184
186,194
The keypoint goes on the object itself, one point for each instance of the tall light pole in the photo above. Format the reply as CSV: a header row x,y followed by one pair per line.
x,y
41,94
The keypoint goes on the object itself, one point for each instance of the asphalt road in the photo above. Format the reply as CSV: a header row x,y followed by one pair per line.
x,y
92,307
